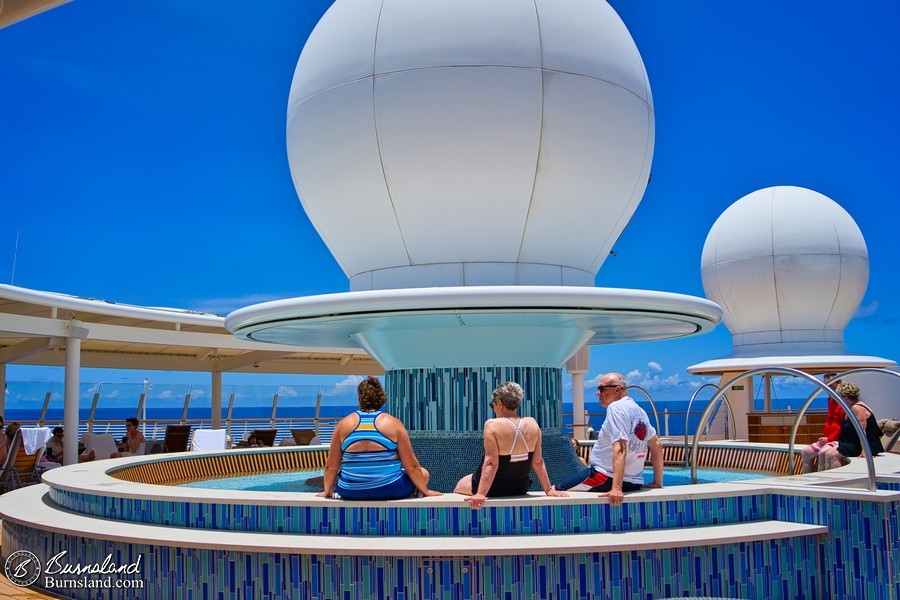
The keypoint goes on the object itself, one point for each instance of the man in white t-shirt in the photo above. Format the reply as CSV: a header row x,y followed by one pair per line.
x,y
625,438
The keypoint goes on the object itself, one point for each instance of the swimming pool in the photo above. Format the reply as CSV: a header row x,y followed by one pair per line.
x,y
298,481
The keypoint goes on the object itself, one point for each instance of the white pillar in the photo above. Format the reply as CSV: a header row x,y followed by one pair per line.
x,y
2,388
70,406
577,366
216,402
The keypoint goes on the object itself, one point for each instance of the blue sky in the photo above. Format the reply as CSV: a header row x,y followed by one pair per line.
x,y
142,154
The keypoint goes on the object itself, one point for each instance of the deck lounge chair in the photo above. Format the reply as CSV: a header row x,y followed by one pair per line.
x,y
177,437
302,437
103,445
20,467
9,476
891,430
209,439
266,436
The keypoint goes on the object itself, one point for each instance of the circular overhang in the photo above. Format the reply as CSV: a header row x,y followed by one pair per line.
x,y
476,326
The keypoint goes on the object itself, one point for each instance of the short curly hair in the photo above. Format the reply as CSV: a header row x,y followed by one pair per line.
x,y
371,394
510,394
848,390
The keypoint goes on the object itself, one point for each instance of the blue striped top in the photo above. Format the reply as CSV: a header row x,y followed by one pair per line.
x,y
371,469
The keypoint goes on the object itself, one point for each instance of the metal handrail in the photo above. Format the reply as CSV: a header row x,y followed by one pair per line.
x,y
870,463
687,418
652,404
812,396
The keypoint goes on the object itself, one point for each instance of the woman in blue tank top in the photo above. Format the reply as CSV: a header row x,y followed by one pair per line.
x,y
370,457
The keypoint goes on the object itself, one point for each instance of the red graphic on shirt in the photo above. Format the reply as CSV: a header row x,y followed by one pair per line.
x,y
640,431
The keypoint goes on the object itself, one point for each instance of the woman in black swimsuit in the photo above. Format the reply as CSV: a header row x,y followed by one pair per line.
x,y
848,443
507,474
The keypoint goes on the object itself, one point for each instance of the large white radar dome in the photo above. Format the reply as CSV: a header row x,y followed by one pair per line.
x,y
789,267
463,142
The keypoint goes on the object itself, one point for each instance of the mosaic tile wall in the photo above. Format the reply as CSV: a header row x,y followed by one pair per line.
x,y
450,455
866,534
444,410
456,399
408,520
771,569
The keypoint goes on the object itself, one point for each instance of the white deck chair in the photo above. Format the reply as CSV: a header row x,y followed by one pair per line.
x,y
208,439
103,445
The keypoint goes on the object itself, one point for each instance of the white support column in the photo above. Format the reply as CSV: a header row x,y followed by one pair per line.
x,y
216,404
2,388
577,366
70,406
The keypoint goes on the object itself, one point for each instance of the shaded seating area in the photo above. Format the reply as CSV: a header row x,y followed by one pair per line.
x,y
266,436
303,437
177,437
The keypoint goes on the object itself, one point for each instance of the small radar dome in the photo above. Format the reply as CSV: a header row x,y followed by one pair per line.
x,y
789,267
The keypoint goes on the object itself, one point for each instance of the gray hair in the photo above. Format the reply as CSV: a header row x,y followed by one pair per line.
x,y
510,394
848,390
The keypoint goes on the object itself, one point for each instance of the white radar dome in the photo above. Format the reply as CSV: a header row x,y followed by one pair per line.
x,y
789,267
464,142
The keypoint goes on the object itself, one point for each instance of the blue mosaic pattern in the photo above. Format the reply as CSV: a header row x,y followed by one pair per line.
x,y
771,569
341,519
467,451
863,548
456,398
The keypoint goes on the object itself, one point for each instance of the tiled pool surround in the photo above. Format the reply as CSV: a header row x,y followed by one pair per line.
x,y
238,511
855,558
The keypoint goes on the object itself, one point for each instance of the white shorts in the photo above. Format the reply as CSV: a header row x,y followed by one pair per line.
x,y
816,447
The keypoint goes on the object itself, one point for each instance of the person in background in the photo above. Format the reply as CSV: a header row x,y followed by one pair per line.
x,y
250,442
832,429
54,451
849,444
371,457
507,474
8,436
134,440
617,460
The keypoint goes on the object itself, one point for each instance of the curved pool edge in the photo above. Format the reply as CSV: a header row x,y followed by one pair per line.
x,y
763,538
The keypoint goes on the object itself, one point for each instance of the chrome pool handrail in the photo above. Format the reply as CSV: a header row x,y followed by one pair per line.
x,y
812,396
870,463
687,418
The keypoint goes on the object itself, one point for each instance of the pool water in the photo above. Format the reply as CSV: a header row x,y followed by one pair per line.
x,y
298,481
295,481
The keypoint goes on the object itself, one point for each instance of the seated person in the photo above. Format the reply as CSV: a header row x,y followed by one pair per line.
x,y
7,439
849,444
134,440
54,450
251,442
371,457
832,429
520,437
617,459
